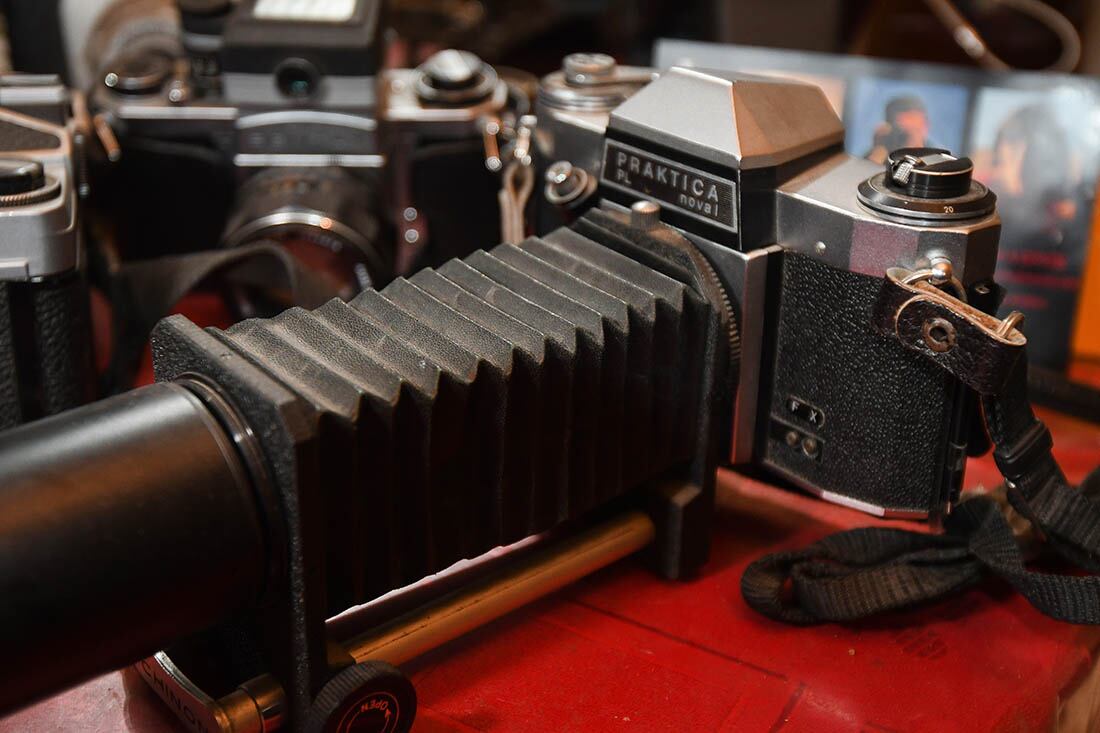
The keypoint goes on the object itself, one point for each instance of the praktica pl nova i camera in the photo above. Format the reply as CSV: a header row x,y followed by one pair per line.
x,y
753,172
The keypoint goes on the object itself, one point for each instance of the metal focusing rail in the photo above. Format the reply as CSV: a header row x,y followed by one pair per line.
x,y
259,705
360,447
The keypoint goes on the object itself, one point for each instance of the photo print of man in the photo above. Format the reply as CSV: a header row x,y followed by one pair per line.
x,y
886,114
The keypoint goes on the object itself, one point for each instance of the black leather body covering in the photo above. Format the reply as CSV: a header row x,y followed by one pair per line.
x,y
45,348
888,425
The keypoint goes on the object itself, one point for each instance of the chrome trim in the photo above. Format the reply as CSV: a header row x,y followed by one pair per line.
x,y
846,501
182,112
313,219
311,160
307,116
333,91
194,708
15,269
751,303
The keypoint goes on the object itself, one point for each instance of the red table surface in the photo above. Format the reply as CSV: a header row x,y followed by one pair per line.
x,y
623,650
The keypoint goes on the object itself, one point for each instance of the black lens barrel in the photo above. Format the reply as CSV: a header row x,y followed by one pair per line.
x,y
124,525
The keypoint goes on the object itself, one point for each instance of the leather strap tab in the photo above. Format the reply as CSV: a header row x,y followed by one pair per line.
x,y
958,337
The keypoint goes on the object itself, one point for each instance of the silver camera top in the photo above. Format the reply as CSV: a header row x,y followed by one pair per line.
x,y
268,89
573,109
748,162
39,235
748,168
735,121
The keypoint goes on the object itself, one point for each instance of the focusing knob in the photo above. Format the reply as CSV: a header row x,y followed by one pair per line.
x,y
370,697
929,173
581,68
24,182
20,176
451,69
926,186
454,77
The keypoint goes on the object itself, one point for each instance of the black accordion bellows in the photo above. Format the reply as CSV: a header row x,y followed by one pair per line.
x,y
493,398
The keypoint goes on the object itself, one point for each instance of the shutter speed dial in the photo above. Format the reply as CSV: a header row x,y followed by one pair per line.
x,y
926,186
24,182
929,173
453,77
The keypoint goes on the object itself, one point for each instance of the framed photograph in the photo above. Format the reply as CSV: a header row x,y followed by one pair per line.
x,y
1038,149
886,114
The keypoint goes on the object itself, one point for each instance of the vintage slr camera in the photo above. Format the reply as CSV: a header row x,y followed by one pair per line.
x,y
752,171
45,346
280,124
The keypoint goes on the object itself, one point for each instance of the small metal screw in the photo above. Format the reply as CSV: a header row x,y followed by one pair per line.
x,y
942,271
177,93
939,335
645,215
565,183
820,248
111,80
409,214
412,236
559,172
792,438
810,446
583,66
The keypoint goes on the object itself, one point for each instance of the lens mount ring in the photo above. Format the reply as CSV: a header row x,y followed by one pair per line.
x,y
247,447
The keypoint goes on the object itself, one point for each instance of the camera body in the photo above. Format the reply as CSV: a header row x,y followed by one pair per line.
x,y
753,172
45,342
280,123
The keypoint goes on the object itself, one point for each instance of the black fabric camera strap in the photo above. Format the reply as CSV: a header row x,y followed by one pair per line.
x,y
145,291
863,572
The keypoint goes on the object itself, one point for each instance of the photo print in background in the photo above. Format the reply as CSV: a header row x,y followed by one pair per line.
x,y
884,115
1044,168
1038,150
